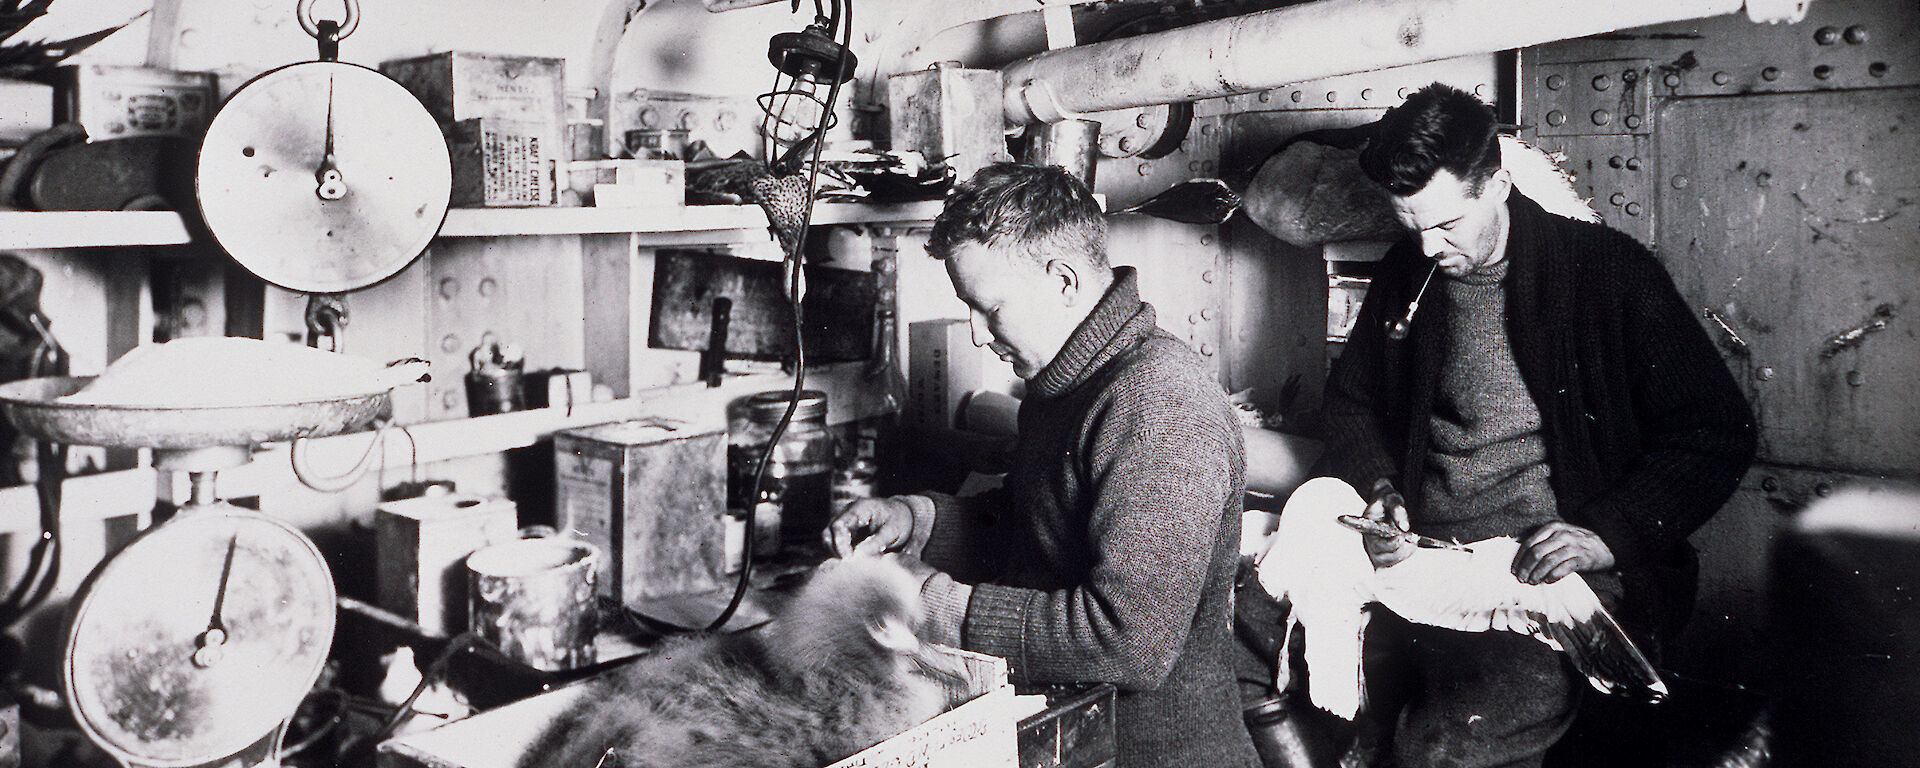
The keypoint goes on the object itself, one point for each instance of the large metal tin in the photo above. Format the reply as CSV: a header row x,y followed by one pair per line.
x,y
949,112
650,495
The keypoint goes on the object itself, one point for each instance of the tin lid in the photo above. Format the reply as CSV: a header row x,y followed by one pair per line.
x,y
768,407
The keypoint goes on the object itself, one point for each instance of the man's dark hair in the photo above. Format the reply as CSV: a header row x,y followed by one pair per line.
x,y
1038,212
1438,127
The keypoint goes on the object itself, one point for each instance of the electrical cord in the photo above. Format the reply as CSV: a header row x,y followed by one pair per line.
x,y
304,472
796,282
43,562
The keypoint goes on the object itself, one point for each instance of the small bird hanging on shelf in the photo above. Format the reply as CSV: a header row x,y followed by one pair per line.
x,y
1316,561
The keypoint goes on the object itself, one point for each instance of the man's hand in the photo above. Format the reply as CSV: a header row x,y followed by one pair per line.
x,y
1387,507
1557,549
871,526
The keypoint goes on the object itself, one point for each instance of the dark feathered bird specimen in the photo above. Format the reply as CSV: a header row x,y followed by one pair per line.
x,y
838,670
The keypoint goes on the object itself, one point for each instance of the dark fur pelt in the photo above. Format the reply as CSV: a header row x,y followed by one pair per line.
x,y
837,671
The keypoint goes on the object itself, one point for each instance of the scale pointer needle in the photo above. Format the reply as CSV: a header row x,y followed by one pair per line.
x,y
211,640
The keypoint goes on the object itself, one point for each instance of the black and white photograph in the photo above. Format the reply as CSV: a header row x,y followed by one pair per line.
x,y
959,384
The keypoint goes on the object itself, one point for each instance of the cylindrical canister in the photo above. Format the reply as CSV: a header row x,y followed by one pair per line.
x,y
799,479
1070,144
534,600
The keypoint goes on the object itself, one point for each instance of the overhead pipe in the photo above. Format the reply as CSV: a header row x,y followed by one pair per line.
x,y
1323,38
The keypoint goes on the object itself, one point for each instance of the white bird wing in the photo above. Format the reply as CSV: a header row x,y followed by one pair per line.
x,y
1477,592
1321,568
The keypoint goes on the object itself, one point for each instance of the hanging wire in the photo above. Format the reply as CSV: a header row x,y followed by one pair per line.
x,y
43,562
795,281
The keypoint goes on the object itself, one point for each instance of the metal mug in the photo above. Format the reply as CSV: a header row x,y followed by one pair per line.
x,y
1070,144
534,600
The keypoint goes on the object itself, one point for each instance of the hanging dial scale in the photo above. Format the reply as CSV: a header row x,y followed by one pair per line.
x,y
194,644
322,176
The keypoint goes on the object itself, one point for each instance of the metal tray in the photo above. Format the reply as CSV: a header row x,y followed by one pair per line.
x,y
34,407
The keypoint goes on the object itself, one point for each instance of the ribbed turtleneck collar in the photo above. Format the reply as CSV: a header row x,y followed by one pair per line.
x,y
1117,323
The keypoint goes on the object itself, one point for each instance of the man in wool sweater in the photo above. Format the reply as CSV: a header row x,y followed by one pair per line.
x,y
1552,386
1109,554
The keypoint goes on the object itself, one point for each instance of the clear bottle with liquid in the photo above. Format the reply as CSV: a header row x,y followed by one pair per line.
x,y
792,506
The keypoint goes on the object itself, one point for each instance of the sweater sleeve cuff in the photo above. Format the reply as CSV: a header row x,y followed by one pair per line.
x,y
996,623
923,517
945,601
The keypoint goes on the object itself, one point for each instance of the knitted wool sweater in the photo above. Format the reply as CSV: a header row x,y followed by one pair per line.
x,y
1109,554
1646,432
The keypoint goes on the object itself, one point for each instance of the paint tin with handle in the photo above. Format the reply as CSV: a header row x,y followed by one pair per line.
x,y
534,600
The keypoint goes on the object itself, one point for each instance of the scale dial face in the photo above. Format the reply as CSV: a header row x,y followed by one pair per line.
x,y
260,175
140,677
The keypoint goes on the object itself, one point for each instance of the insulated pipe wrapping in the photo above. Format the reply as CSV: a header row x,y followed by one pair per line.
x,y
1269,49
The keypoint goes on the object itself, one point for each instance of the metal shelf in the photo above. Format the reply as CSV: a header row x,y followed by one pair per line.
x,y
89,229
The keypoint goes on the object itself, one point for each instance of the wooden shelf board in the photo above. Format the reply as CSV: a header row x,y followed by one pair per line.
x,y
89,229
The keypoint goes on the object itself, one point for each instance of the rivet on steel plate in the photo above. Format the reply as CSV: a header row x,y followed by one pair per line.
x,y
1142,121
488,286
1617,198
1332,96
1207,314
1722,78
1206,239
1126,144
1823,72
1856,34
449,343
1672,80
1206,130
1617,162
1680,181
1629,75
1366,94
1266,96
449,288
1601,117
1633,163
1602,82
1554,83
1877,69
1146,168
1856,378
1766,373
1207,276
1206,350
1556,117
1763,179
1633,209
1826,35
1770,74
1633,121
1296,97
1769,484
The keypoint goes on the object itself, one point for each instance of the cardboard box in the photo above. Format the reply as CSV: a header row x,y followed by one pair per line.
x,y
652,497
522,145
977,734
499,164
634,183
943,366
115,102
421,545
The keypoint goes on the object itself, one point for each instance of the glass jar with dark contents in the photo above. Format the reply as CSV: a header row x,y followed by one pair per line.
x,y
797,489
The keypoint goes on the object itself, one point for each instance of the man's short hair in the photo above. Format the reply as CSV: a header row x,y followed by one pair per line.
x,y
1438,127
1038,212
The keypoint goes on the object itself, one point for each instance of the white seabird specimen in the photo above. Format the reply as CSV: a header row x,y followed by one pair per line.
x,y
1320,566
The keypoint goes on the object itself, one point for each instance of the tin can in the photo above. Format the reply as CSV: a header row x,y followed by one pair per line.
x,y
534,600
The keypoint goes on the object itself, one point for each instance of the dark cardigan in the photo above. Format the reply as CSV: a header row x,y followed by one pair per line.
x,y
1110,554
1647,433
